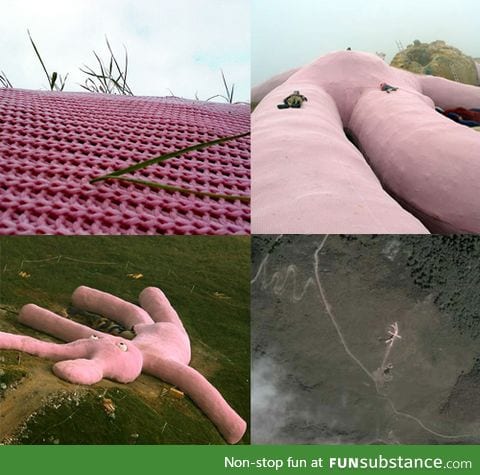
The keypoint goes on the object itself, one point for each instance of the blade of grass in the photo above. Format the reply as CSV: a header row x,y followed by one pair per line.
x,y
166,156
162,186
112,55
95,75
53,80
38,56
119,87
101,77
111,79
63,81
228,91
225,85
125,86
4,80
123,89
89,88
214,97
90,71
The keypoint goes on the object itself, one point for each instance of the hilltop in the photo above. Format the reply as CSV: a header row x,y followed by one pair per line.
x,y
437,59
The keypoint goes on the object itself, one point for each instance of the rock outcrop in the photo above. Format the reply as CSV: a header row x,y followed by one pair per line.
x,y
437,59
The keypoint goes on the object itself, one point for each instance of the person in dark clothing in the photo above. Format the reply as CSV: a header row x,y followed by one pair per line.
x,y
294,101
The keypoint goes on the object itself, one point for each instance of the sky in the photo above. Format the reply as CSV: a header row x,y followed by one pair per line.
x,y
174,47
288,34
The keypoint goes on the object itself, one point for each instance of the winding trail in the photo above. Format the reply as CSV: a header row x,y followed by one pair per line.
x,y
278,282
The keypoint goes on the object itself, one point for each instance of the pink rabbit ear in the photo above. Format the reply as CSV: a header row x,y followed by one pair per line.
x,y
154,301
81,371
48,322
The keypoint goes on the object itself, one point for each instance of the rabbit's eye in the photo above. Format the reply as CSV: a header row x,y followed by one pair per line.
x,y
122,346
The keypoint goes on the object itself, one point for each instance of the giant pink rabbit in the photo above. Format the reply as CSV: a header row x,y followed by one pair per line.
x,y
160,337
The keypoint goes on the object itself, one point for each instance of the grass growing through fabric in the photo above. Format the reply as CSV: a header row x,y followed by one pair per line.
x,y
108,78
229,90
118,174
206,279
111,79
4,81
55,81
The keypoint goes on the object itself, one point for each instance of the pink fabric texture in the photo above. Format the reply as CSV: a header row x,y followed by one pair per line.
x,y
307,176
53,143
161,345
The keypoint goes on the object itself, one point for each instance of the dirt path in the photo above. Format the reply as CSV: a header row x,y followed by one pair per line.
x,y
28,396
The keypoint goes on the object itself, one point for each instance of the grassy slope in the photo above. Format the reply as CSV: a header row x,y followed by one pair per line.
x,y
205,278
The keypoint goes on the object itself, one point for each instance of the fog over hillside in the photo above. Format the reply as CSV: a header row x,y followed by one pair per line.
x,y
288,34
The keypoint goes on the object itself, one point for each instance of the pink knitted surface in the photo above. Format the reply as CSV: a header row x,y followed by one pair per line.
x,y
53,143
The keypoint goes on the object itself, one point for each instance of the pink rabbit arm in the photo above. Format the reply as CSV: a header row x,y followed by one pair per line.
x,y
109,306
154,301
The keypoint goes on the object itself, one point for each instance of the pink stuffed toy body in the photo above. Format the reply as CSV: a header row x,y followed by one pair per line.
x,y
160,348
410,163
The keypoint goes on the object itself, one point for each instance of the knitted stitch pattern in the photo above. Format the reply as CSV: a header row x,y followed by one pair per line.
x,y
53,143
